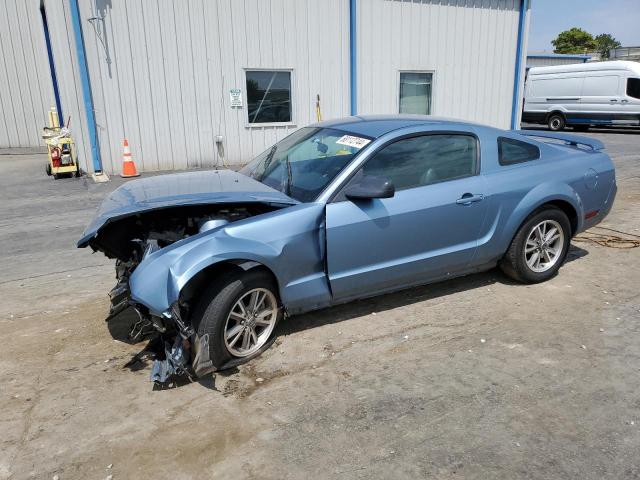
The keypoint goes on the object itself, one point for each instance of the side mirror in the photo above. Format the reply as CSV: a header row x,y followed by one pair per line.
x,y
369,187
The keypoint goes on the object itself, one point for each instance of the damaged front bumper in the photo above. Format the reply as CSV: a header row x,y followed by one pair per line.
x,y
185,352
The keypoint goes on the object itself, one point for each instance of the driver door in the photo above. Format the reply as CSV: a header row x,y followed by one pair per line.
x,y
427,230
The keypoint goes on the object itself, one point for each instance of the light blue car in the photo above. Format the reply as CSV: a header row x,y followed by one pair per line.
x,y
341,210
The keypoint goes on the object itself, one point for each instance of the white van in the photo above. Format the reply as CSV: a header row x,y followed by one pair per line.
x,y
585,94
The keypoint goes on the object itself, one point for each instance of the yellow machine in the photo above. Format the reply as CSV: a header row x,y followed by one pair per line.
x,y
61,148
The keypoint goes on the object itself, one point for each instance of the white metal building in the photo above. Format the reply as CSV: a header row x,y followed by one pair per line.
x,y
199,83
625,53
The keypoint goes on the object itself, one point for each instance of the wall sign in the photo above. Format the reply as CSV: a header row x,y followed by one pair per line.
x,y
236,97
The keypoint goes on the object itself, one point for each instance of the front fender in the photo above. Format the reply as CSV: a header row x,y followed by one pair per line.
x,y
288,242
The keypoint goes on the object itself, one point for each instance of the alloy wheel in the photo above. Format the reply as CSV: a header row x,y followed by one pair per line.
x,y
544,246
250,322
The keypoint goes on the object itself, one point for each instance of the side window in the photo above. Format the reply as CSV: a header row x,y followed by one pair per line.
x,y
633,87
417,161
511,151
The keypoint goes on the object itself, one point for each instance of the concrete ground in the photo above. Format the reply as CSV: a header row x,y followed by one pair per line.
x,y
476,377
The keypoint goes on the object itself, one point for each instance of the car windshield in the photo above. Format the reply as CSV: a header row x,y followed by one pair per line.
x,y
302,164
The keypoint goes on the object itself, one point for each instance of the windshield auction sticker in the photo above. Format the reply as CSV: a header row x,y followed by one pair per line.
x,y
355,142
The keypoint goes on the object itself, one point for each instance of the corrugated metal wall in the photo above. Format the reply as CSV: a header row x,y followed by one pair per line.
x,y
161,70
470,45
161,73
26,92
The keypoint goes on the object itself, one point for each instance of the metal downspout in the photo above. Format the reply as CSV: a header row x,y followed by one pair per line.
x,y
86,85
353,58
52,66
524,6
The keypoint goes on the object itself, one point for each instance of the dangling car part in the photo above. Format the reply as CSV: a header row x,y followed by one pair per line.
x,y
341,210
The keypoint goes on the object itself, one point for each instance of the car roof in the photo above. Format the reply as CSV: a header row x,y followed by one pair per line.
x,y
377,125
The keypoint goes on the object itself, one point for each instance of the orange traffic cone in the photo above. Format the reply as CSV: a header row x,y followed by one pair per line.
x,y
128,165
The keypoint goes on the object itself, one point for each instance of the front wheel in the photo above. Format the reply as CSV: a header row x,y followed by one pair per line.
x,y
239,314
539,248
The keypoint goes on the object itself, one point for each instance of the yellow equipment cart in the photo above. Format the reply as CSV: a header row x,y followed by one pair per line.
x,y
61,149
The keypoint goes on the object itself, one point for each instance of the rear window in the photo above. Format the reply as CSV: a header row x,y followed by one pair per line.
x,y
633,87
511,151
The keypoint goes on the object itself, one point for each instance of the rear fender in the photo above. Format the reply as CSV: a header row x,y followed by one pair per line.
x,y
538,196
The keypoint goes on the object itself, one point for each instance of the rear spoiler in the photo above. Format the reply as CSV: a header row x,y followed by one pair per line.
x,y
569,139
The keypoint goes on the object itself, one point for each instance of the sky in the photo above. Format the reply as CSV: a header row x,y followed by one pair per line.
x,y
620,18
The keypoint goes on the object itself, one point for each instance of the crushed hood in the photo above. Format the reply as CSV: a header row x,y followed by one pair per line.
x,y
181,189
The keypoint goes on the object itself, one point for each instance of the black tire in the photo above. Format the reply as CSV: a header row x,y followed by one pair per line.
x,y
556,122
215,304
514,265
48,169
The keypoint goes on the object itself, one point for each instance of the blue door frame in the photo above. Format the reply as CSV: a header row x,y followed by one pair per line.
x,y
86,85
517,81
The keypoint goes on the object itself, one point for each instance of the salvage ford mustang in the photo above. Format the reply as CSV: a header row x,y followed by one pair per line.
x,y
341,210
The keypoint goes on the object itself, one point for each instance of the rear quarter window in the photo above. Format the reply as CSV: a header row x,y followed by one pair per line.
x,y
511,151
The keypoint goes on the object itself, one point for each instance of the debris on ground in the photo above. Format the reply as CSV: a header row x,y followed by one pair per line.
x,y
174,363
608,239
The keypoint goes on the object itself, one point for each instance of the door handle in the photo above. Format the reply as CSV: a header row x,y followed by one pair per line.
x,y
613,100
469,198
624,101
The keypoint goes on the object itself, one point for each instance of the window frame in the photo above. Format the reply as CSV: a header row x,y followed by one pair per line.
x,y
245,98
626,87
433,87
338,193
502,137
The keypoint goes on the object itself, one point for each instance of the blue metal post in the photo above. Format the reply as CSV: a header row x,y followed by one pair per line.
x,y
352,57
86,85
52,66
524,5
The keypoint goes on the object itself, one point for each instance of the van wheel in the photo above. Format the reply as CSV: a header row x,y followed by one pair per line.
x,y
556,122
539,248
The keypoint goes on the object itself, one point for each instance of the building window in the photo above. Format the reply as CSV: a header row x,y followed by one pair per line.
x,y
269,96
512,151
415,92
633,87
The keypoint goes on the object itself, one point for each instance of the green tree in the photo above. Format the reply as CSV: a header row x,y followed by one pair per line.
x,y
574,40
604,43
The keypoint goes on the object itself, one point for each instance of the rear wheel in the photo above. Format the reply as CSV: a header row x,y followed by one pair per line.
x,y
539,248
556,122
239,314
